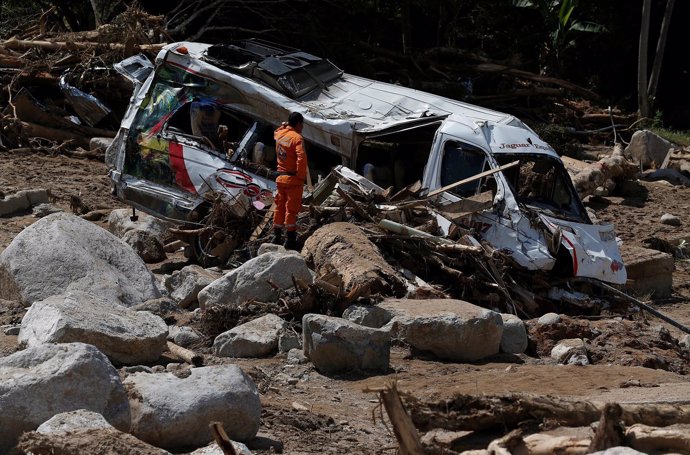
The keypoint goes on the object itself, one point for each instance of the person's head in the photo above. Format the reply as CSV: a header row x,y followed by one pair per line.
x,y
296,121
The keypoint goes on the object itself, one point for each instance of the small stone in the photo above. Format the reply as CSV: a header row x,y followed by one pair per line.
x,y
670,220
12,330
288,341
296,357
137,369
685,341
292,381
186,337
42,210
548,319
570,352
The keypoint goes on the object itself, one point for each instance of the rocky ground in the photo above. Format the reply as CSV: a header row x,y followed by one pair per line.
x,y
310,410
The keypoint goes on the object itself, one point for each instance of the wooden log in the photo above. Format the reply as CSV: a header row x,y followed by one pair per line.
x,y
604,173
187,355
548,444
345,249
673,438
476,413
609,432
22,45
472,179
405,432
221,438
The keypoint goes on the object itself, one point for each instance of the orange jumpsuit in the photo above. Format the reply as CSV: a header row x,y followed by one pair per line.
x,y
292,170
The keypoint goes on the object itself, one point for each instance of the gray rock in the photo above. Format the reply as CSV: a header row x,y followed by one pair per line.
x,y
14,203
186,337
184,285
160,306
40,382
100,144
12,330
570,352
81,419
649,149
449,329
147,245
83,432
296,357
548,319
619,450
214,449
251,280
514,339
685,341
367,315
163,404
288,340
670,220
137,369
270,248
43,210
124,335
62,252
335,344
255,338
119,223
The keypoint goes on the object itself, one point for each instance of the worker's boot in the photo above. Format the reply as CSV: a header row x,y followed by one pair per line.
x,y
277,237
291,240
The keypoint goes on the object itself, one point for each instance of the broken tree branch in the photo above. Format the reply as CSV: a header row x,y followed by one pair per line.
x,y
472,179
187,355
405,432
221,438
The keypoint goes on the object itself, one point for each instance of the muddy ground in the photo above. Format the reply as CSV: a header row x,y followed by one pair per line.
x,y
636,360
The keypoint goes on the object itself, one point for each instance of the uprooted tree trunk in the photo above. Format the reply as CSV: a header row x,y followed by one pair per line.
x,y
601,177
344,248
476,413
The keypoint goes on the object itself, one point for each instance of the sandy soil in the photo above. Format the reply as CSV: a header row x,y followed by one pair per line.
x,y
339,414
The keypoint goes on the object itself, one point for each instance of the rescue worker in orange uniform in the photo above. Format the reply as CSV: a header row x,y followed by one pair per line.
x,y
292,171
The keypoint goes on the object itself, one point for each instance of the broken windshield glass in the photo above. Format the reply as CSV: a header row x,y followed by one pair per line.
x,y
542,182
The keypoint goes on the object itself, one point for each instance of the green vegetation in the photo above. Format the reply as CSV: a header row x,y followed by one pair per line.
x,y
675,136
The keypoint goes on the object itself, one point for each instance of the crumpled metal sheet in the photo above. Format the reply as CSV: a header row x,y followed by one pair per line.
x,y
89,108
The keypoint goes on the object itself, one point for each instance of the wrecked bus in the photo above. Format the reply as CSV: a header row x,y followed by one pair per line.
x,y
201,121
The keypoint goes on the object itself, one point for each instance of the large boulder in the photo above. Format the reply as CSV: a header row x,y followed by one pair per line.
x,y
255,280
449,329
255,338
173,412
42,381
126,336
184,285
83,432
335,344
62,252
649,149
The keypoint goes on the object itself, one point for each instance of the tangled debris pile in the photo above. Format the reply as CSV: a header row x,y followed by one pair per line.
x,y
60,88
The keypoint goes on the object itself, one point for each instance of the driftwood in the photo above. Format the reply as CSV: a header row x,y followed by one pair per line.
x,y
405,432
187,355
345,249
548,444
609,432
221,438
21,45
467,412
472,179
603,174
674,438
